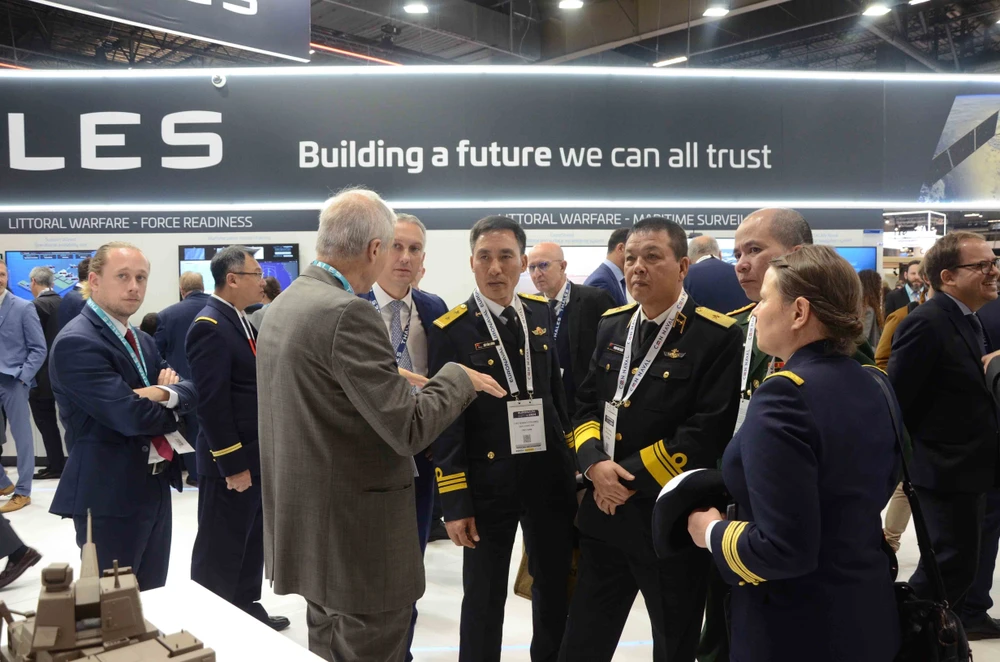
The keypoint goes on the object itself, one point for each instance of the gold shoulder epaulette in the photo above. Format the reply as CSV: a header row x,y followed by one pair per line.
x,y
533,297
788,374
451,316
206,319
718,318
620,309
738,311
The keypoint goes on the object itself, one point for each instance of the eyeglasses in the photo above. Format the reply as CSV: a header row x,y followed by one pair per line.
x,y
986,266
540,266
258,274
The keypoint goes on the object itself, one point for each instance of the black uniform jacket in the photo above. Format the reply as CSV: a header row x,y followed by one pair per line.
x,y
681,416
481,433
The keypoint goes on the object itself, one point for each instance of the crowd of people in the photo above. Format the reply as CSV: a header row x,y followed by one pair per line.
x,y
563,412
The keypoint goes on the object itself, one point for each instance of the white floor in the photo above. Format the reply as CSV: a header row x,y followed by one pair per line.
x,y
436,638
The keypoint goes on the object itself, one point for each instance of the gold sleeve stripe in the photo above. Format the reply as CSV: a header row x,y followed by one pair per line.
x,y
571,440
452,478
663,456
206,319
730,549
227,451
452,488
586,432
654,458
451,481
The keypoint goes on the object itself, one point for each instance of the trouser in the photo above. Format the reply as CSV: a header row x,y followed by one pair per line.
x,y
14,399
424,487
608,580
955,523
978,600
189,461
714,643
525,490
896,517
228,555
141,540
43,410
10,542
339,637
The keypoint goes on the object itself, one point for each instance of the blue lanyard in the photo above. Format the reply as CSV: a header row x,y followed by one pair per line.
x,y
336,274
406,332
139,361
562,311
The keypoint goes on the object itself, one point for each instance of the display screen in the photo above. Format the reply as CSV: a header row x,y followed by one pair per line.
x,y
860,257
62,263
278,260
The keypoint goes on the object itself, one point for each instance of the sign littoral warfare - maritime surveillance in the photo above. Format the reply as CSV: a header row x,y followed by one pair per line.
x,y
259,150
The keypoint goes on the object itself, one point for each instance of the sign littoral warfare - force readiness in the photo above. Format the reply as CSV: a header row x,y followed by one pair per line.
x,y
253,150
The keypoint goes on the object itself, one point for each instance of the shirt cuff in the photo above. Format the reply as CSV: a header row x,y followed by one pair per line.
x,y
174,398
708,533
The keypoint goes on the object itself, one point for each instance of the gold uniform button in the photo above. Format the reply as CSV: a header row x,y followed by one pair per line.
x,y
490,362
627,404
635,370
666,374
749,393
490,455
618,436
756,383
545,347
607,368
522,351
743,583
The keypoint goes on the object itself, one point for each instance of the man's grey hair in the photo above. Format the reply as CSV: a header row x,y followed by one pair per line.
x,y
43,276
410,218
788,227
350,220
230,259
701,246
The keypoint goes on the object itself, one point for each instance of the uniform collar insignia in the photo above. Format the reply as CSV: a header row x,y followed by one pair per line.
x,y
674,354
538,331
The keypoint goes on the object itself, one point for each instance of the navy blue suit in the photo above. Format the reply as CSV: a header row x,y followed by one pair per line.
x,y
606,279
228,557
803,553
713,284
175,320
71,306
107,472
429,308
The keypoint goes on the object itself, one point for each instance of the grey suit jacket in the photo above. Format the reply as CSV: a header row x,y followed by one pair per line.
x,y
338,429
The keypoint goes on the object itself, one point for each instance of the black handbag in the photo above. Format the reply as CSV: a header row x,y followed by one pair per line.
x,y
930,630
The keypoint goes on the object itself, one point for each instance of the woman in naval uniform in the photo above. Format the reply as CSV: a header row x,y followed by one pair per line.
x,y
810,471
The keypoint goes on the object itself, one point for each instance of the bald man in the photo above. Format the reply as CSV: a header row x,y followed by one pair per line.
x,y
710,281
576,310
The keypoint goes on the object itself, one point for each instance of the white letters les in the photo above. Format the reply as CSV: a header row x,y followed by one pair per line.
x,y
245,7
91,139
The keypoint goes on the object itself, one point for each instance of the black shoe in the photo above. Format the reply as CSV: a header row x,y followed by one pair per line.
x,y
191,480
276,623
48,473
15,570
438,532
982,628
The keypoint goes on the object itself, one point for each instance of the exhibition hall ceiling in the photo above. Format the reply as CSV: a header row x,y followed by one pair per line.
x,y
914,35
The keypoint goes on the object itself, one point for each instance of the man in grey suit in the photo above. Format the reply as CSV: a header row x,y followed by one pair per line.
x,y
338,430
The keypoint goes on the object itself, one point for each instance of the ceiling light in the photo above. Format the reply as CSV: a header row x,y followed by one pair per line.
x,y
673,60
415,8
570,4
973,215
715,11
312,51
877,9
918,2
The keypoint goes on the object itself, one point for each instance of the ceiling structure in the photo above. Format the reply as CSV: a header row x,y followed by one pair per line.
x,y
932,35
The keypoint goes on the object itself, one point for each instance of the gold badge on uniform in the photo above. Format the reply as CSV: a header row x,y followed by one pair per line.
x,y
674,354
538,331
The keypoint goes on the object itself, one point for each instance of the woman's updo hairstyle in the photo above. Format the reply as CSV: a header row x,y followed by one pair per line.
x,y
830,285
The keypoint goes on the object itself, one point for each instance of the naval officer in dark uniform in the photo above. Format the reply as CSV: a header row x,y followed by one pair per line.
x,y
506,461
804,551
221,346
660,398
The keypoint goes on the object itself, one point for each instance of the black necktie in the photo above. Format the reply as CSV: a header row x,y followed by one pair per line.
x,y
647,331
513,324
554,306
977,328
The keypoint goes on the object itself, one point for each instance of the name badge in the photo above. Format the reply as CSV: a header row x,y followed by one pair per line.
x,y
178,442
526,421
485,345
742,415
619,349
608,429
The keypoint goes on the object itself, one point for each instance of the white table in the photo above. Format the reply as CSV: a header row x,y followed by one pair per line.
x,y
234,635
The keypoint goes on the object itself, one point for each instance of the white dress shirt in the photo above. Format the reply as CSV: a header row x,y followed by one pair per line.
x,y
3,295
416,343
496,308
239,313
174,399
